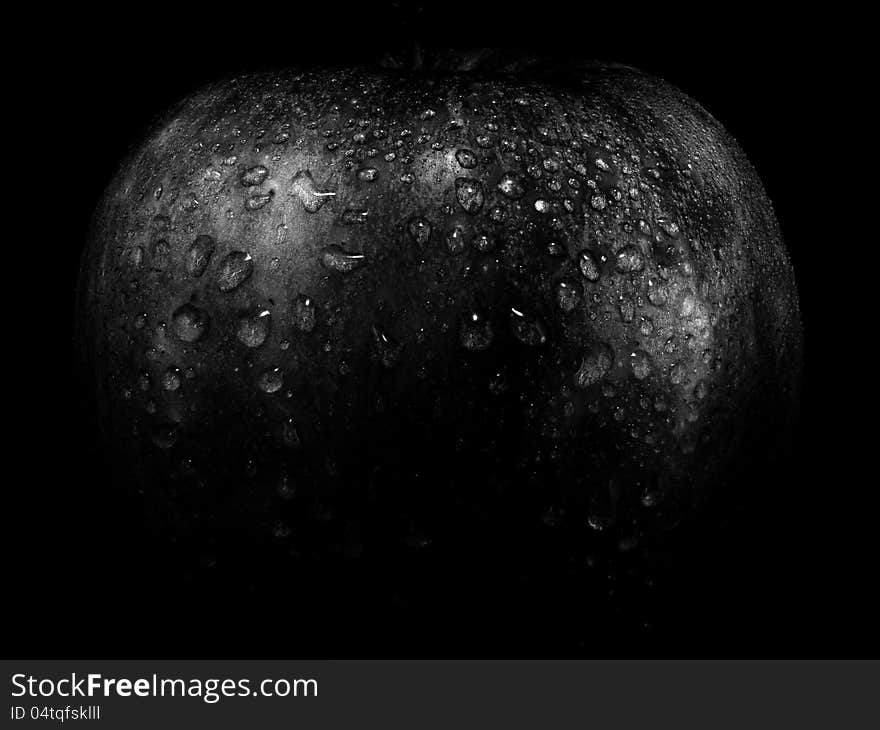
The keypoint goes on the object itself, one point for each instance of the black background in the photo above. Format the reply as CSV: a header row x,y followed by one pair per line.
x,y
796,581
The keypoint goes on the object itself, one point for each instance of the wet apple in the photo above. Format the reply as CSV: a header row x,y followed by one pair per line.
x,y
371,311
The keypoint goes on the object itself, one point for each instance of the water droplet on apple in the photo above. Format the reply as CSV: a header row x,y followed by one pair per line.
x,y
258,200
594,365
469,194
235,268
290,435
335,258
420,230
630,260
677,373
670,228
476,333
198,255
171,379
304,313
388,349
466,158
484,243
254,176
657,292
271,380
135,257
510,186
568,294
303,187
527,328
190,322
588,266
354,216
456,242
252,327
641,364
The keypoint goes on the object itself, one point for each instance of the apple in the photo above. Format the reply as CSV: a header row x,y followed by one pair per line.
x,y
459,311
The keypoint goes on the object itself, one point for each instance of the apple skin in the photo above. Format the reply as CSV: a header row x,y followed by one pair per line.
x,y
371,311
